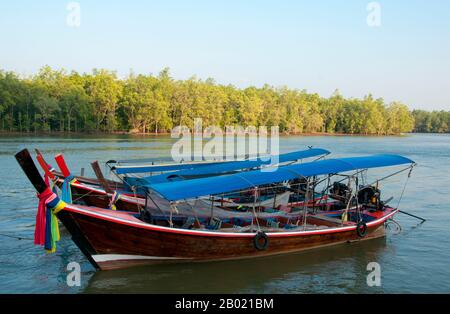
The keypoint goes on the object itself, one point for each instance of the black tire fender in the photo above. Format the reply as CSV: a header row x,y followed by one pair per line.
x,y
260,235
361,229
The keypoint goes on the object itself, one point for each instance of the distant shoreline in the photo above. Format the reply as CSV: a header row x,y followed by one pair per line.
x,y
153,134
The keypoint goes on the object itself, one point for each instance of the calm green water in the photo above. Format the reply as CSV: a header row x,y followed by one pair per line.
x,y
416,260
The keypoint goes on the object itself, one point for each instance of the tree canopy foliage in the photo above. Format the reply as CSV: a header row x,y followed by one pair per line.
x,y
57,100
431,122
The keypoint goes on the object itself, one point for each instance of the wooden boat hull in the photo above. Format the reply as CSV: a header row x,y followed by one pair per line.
x,y
112,240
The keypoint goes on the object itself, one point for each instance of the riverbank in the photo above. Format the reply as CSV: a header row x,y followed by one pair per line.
x,y
165,134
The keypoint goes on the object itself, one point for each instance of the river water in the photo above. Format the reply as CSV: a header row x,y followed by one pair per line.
x,y
415,260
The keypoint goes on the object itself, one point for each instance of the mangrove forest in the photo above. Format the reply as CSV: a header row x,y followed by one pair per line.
x,y
62,101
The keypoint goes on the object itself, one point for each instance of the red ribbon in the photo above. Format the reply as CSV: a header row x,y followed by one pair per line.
x,y
39,231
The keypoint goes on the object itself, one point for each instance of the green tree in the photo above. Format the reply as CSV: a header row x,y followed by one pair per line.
x,y
399,119
104,91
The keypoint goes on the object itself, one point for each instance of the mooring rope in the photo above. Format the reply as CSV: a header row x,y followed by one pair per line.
x,y
404,188
254,209
391,221
86,194
15,237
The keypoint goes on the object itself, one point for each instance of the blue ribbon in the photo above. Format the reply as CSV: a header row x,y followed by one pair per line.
x,y
48,227
66,190
51,224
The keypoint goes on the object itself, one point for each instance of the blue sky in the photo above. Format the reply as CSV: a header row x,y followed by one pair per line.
x,y
319,45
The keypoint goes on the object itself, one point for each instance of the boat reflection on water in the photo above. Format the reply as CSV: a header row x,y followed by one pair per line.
x,y
337,269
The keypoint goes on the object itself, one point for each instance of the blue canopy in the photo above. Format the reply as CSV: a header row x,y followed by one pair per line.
x,y
231,166
210,168
179,190
161,168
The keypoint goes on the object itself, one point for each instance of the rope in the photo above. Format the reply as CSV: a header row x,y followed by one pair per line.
x,y
324,191
15,237
393,222
305,206
344,216
254,210
404,188
83,195
133,189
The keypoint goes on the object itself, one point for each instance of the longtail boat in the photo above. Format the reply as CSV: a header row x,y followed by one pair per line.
x,y
117,239
129,196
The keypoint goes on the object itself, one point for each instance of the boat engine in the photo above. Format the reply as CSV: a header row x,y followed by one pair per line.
x,y
370,197
340,191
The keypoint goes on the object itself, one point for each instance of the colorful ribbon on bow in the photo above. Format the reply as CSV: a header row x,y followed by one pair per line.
x,y
115,197
54,205
47,231
39,231
66,190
